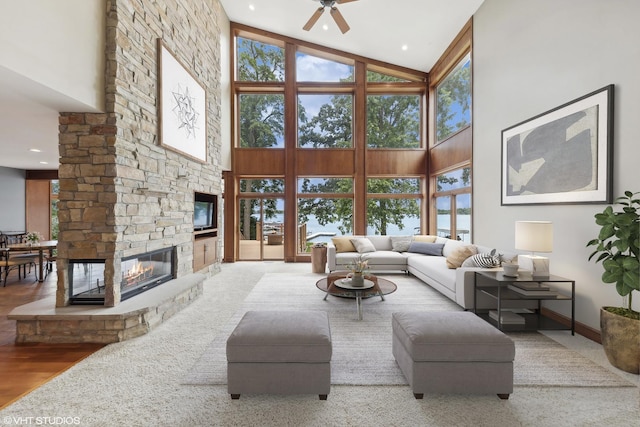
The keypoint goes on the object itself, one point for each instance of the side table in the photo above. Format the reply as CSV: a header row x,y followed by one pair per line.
x,y
500,287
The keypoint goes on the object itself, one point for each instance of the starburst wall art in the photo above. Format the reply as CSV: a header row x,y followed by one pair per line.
x,y
182,121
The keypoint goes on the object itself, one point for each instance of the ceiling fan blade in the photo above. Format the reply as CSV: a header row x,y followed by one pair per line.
x,y
344,1
337,16
314,18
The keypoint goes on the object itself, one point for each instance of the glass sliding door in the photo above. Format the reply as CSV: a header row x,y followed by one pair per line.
x,y
261,234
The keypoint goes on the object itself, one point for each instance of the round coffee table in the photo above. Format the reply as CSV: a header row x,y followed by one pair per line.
x,y
379,287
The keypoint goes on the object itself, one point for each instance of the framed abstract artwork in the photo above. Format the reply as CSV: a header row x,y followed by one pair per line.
x,y
563,155
182,107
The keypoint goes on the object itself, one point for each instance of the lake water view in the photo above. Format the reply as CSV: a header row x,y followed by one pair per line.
x,y
412,226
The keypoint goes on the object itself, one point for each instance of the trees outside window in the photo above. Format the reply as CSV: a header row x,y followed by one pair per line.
x,y
341,117
453,100
393,121
325,121
453,194
387,213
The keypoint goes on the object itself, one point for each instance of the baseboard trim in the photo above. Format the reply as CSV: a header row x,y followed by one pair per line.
x,y
581,328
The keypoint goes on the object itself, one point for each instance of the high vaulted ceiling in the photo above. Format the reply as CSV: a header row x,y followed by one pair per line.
x,y
379,30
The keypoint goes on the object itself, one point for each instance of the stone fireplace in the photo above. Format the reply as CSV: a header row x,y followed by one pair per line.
x,y
122,192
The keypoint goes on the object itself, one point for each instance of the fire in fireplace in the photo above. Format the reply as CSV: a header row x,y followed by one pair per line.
x,y
139,273
145,271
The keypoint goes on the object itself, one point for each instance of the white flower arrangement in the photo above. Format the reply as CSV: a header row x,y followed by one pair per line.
x,y
359,265
33,237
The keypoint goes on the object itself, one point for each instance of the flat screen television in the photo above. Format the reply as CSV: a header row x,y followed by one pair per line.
x,y
204,214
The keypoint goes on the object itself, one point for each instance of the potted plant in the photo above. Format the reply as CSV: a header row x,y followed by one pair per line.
x,y
617,248
359,268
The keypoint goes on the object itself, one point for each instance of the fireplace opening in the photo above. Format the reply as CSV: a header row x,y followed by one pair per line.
x,y
86,281
139,273
146,271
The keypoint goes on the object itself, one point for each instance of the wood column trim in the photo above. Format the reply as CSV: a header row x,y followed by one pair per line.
x,y
230,218
291,149
360,146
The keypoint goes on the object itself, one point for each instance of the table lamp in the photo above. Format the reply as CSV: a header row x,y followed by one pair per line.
x,y
534,236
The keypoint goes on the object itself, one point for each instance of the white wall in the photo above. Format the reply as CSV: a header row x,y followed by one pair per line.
x,y
530,57
13,196
59,44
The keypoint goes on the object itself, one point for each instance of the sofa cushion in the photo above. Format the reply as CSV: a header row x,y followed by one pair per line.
x,y
433,249
457,257
400,243
343,244
374,259
435,268
381,243
363,245
424,238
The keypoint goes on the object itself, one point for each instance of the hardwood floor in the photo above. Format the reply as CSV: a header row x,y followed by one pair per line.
x,y
25,367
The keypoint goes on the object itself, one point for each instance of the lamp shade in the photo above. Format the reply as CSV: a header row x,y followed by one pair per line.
x,y
534,236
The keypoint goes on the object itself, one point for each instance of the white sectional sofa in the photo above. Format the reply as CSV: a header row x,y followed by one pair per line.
x,y
455,283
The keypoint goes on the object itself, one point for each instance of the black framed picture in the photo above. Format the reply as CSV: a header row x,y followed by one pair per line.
x,y
563,155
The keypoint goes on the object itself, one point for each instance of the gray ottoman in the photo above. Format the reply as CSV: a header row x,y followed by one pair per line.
x,y
280,352
452,352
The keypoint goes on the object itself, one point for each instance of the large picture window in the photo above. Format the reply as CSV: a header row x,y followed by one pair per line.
x,y
393,121
325,121
393,206
453,204
348,131
311,68
453,100
259,62
261,120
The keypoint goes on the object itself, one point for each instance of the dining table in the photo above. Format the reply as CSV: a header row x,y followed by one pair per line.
x,y
41,246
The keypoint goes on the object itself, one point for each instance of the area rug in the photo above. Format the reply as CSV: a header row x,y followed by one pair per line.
x,y
362,348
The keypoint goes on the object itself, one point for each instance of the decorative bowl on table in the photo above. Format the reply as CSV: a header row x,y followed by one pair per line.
x,y
510,270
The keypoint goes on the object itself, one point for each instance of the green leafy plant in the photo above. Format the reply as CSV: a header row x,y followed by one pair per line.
x,y
617,248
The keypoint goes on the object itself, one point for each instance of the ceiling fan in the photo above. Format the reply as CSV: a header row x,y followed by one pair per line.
x,y
335,14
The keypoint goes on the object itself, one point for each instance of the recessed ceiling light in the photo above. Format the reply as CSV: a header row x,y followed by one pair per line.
x,y
35,150
252,7
405,47
325,27
44,163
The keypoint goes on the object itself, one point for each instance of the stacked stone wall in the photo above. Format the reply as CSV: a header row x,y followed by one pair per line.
x,y
121,192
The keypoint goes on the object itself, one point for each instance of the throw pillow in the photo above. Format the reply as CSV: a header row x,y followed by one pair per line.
x,y
424,238
469,262
343,244
400,243
363,245
486,260
459,255
433,249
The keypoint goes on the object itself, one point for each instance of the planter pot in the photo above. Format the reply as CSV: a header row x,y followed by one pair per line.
x,y
357,279
621,341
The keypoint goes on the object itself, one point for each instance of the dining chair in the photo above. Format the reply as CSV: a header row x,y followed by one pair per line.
x,y
20,258
7,263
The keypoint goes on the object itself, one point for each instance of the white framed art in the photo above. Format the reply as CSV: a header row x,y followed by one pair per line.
x,y
182,107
